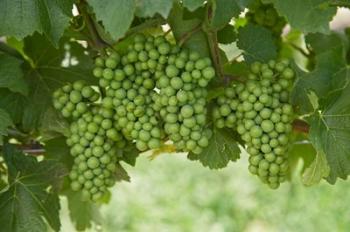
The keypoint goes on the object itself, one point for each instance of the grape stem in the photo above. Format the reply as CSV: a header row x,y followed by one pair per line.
x,y
301,126
213,42
96,40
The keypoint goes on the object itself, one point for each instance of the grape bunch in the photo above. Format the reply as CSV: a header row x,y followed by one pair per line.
x,y
73,100
95,145
157,90
266,15
181,100
260,113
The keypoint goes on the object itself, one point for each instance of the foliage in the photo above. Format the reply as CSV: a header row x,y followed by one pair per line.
x,y
47,46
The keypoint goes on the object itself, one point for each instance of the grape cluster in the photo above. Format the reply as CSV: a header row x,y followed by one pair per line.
x,y
73,100
130,81
157,90
95,145
260,112
266,15
182,99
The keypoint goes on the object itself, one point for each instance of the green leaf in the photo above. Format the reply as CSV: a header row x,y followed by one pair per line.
x,y
309,16
22,18
11,75
227,34
330,133
192,4
130,154
82,213
331,71
180,27
53,125
50,69
116,16
28,203
222,149
224,11
121,174
257,42
5,122
13,103
148,8
56,149
318,170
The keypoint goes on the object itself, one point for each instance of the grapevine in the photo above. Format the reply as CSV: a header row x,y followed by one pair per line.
x,y
89,86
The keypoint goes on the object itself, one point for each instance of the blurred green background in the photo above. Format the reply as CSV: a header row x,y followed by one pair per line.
x,y
173,194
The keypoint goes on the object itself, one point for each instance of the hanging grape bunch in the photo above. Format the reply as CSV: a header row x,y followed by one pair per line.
x,y
158,90
265,14
260,112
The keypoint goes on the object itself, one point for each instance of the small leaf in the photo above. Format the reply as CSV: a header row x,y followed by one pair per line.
x,y
11,75
53,125
116,16
82,213
5,122
308,16
222,149
318,170
130,153
28,199
148,8
121,174
257,42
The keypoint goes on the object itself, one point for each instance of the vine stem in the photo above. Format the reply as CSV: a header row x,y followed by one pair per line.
x,y
96,40
213,42
301,126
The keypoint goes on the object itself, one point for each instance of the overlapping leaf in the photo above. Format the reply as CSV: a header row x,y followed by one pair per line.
x,y
257,42
5,122
50,68
309,16
27,204
116,16
331,71
22,18
11,75
148,8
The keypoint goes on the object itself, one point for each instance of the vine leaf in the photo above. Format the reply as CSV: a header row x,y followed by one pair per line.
x,y
181,28
257,42
22,18
309,16
224,11
50,68
11,75
82,213
116,16
222,149
148,8
28,202
192,5
330,73
5,122
330,133
318,170
57,150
